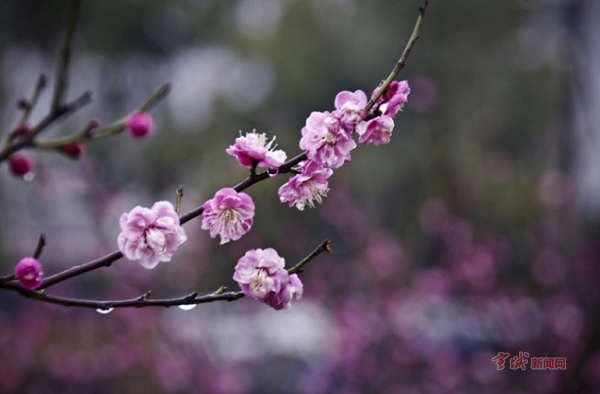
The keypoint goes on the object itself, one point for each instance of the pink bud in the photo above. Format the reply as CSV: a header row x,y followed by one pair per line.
x,y
74,150
93,124
20,164
29,273
23,103
140,125
22,129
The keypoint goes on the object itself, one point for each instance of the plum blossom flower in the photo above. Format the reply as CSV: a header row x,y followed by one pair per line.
x,y
376,131
228,214
326,141
28,272
150,235
253,148
393,99
261,275
140,125
305,188
350,108
291,291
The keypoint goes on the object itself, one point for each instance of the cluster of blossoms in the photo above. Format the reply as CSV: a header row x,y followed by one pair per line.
x,y
328,139
262,276
152,235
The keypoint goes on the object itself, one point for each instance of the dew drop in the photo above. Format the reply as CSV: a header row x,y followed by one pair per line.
x,y
30,176
104,311
187,307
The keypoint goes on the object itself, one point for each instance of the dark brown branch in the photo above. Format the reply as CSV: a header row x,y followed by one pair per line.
x,y
144,301
40,246
28,141
83,268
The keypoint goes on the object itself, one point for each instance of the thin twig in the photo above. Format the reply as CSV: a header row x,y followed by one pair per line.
x,y
323,247
178,197
106,130
64,58
39,86
402,60
40,246
28,141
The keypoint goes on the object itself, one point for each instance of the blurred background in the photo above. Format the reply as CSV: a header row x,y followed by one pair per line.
x,y
475,231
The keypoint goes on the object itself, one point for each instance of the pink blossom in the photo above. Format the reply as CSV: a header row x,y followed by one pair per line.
x,y
350,108
20,164
305,188
326,141
228,214
140,125
376,131
261,275
393,99
29,273
291,291
150,235
253,148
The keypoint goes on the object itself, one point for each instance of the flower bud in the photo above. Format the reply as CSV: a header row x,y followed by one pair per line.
x,y
93,124
74,150
140,125
23,103
22,130
20,164
29,273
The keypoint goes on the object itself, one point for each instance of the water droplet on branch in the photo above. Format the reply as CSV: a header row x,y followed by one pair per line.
x,y
104,311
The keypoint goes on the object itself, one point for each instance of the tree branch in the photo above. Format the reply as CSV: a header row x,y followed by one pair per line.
x,y
7,281
144,301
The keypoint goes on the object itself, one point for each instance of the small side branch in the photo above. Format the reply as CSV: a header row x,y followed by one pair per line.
x,y
64,57
402,60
